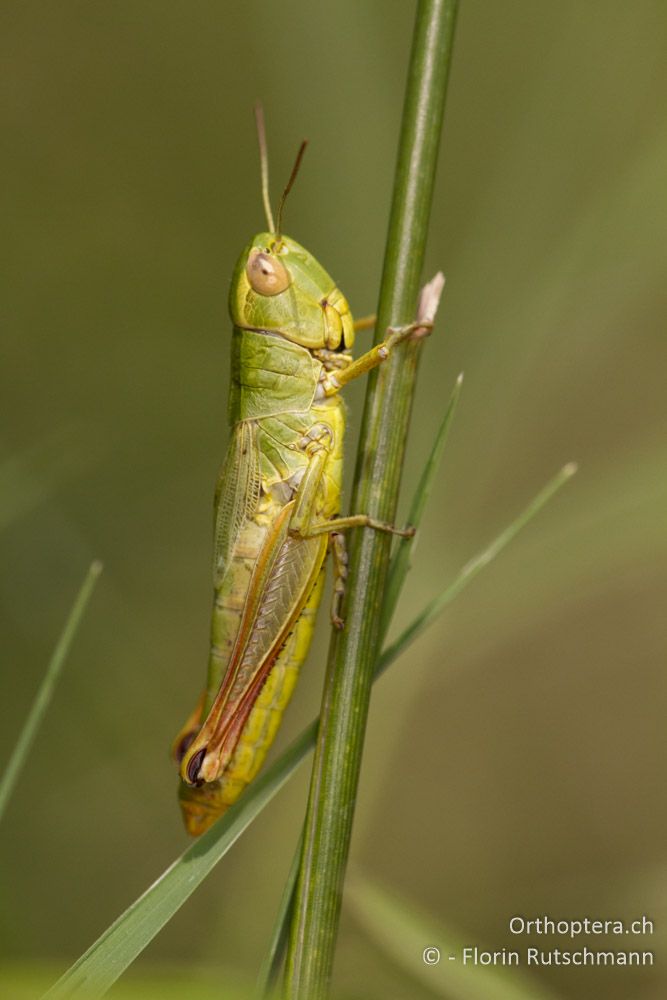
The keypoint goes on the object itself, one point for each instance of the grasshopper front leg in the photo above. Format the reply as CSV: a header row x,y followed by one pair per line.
x,y
334,381
429,299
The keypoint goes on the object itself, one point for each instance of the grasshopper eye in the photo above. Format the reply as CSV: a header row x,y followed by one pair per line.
x,y
267,275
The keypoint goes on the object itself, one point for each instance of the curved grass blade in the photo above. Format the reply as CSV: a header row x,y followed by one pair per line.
x,y
402,559
477,563
404,933
102,964
46,688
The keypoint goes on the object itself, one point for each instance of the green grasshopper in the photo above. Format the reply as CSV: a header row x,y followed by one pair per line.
x,y
276,505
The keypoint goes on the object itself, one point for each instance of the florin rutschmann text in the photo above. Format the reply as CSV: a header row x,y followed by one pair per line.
x,y
555,956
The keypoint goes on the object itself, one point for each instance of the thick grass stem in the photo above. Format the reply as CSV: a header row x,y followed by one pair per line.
x,y
353,652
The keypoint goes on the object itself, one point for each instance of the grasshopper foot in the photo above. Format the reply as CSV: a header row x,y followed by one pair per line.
x,y
340,576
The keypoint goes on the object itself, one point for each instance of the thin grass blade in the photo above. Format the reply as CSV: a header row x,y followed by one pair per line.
x,y
476,564
45,691
402,558
102,964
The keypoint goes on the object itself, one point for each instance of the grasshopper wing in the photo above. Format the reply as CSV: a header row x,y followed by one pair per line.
x,y
236,495
285,573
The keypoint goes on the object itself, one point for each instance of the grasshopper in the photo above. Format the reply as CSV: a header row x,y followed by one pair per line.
x,y
277,505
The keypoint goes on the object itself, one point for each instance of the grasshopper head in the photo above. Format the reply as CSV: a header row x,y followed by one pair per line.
x,y
201,806
279,287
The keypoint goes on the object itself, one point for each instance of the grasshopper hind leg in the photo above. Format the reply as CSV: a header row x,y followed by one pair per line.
x,y
339,552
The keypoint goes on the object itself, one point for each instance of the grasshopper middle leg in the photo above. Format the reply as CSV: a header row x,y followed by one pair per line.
x,y
305,522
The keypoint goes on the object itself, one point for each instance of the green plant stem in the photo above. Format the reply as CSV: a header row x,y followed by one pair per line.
x,y
45,691
384,429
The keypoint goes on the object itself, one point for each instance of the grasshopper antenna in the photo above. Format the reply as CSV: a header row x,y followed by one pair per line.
x,y
264,163
288,186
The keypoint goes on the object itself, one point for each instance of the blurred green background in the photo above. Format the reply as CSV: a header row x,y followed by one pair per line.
x,y
515,758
